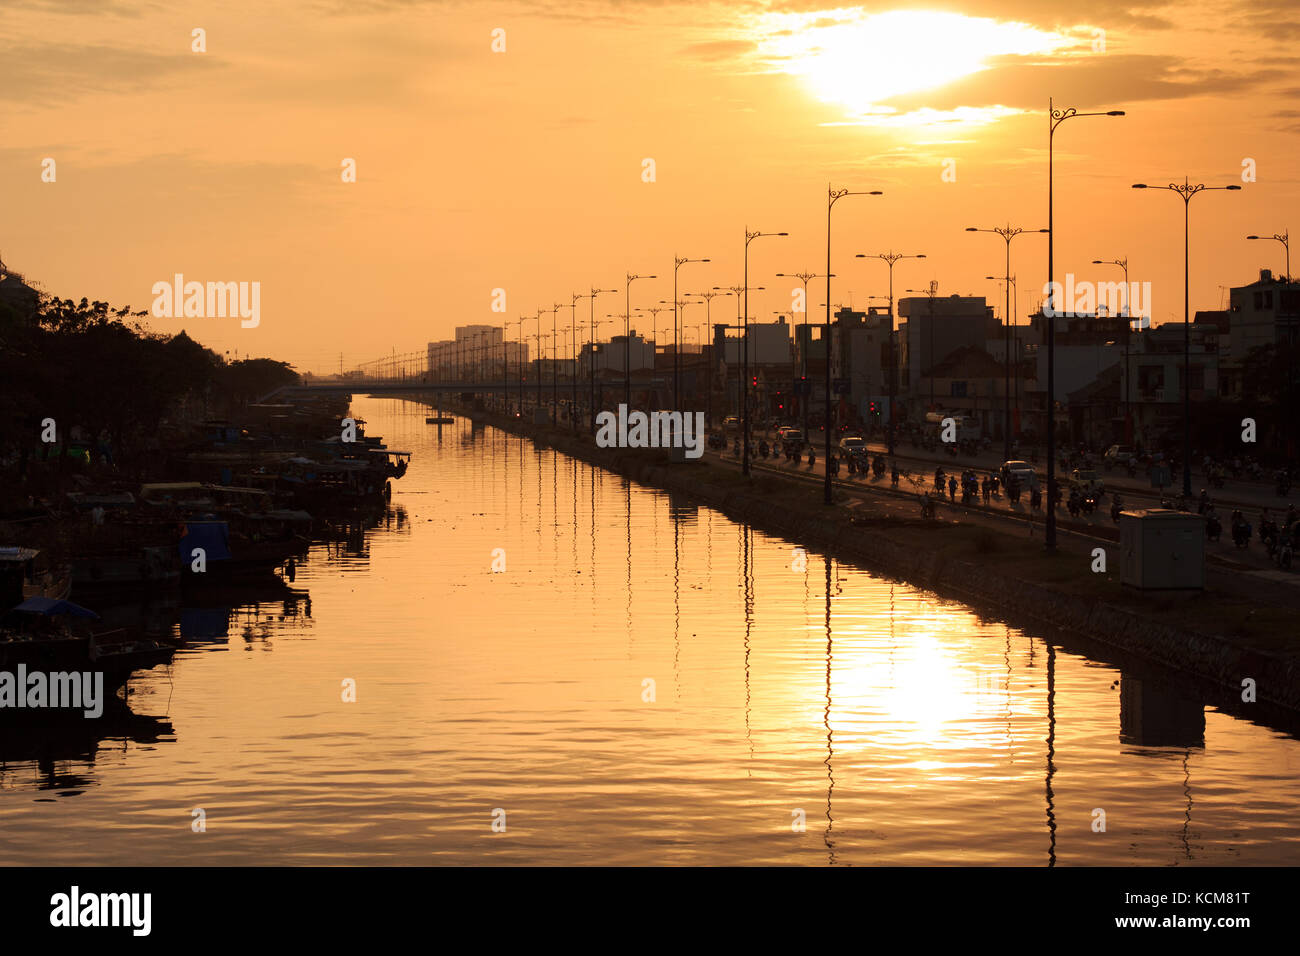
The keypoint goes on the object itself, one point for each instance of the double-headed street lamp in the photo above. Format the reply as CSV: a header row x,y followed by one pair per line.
x,y
688,298
1055,118
1007,232
744,378
555,367
807,340
1285,239
592,355
1128,329
1186,191
573,370
932,291
832,197
1015,338
540,312
523,363
678,262
708,297
627,340
890,258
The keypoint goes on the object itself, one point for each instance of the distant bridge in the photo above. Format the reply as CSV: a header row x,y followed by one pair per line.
x,y
409,386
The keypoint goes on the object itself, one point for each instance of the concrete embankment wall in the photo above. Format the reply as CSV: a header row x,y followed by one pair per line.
x,y
1207,657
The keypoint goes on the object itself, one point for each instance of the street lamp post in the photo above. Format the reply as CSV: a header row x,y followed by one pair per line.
x,y
708,370
592,354
542,339
832,197
1007,232
744,377
1285,239
1015,337
555,366
539,361
735,290
804,277
890,258
677,264
1055,118
727,290
505,366
627,340
573,369
682,303
1128,328
523,364
1185,192
932,291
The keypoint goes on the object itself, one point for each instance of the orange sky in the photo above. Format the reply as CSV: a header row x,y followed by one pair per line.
x,y
522,170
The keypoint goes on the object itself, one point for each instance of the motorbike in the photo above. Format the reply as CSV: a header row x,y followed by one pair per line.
x,y
878,466
1268,534
1116,506
1213,527
1240,531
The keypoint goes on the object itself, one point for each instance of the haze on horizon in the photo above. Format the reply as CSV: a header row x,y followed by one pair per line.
x,y
522,169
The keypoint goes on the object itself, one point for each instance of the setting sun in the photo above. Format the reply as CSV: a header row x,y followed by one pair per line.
x,y
861,60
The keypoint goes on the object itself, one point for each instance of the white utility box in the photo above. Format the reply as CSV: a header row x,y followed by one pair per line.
x,y
1162,550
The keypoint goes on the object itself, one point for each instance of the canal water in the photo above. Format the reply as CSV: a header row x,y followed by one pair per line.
x,y
638,681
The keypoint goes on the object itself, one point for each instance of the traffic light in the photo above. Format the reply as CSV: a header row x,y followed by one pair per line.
x,y
753,382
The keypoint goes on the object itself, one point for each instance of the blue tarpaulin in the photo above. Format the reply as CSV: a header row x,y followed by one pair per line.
x,y
53,606
211,536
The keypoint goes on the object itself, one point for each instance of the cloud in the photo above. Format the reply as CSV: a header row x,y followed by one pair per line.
x,y
48,72
1086,82
720,49
79,8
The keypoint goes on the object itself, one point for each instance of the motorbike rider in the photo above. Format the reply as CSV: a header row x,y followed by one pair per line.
x,y
1213,528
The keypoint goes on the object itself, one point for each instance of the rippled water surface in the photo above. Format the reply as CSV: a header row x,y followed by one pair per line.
x,y
646,682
